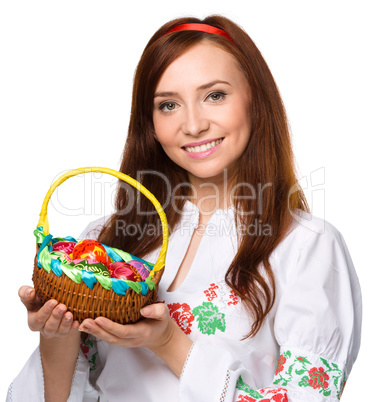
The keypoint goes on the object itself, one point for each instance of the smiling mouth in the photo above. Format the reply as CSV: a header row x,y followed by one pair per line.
x,y
204,147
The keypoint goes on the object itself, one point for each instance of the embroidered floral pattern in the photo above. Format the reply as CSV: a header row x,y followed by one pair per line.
x,y
207,315
242,386
87,350
210,292
245,398
278,395
183,316
233,298
315,373
318,378
209,318
222,294
342,387
263,395
280,364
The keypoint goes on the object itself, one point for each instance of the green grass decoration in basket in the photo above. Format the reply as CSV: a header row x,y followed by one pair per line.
x,y
78,272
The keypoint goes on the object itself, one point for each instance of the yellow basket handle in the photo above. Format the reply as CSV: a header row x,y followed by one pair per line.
x,y
43,221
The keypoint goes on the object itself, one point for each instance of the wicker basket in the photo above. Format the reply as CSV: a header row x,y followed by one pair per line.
x,y
89,295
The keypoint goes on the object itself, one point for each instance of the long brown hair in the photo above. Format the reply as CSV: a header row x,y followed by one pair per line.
x,y
268,158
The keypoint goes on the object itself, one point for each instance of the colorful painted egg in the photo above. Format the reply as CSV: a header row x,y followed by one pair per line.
x,y
91,249
91,266
61,256
65,246
88,260
142,268
123,270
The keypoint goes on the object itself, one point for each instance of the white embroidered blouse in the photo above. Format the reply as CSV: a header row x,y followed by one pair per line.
x,y
304,351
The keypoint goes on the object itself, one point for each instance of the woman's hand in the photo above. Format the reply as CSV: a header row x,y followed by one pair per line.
x,y
158,332
153,332
59,342
51,319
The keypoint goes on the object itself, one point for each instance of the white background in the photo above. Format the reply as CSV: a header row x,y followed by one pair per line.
x,y
66,73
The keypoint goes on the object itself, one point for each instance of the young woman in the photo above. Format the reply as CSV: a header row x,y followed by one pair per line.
x,y
259,300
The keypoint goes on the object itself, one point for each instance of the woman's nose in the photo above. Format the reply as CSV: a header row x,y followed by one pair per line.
x,y
195,122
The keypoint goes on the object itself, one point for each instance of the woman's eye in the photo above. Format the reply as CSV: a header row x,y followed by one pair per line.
x,y
216,96
167,107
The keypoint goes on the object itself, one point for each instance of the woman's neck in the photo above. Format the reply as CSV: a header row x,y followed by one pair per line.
x,y
210,195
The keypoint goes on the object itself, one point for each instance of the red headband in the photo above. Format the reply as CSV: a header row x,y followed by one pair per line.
x,y
200,27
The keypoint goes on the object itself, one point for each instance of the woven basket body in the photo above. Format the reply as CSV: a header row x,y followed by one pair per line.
x,y
84,302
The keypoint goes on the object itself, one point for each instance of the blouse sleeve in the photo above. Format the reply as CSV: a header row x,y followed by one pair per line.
x,y
29,384
318,320
317,325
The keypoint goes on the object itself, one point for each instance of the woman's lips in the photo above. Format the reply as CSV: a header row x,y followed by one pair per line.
x,y
195,144
203,154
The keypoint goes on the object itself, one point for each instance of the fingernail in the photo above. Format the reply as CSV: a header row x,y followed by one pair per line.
x,y
68,317
28,293
53,304
146,310
61,310
85,328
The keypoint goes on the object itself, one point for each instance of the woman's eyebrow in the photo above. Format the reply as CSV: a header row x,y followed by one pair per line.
x,y
204,86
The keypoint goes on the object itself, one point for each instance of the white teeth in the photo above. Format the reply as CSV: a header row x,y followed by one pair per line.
x,y
204,147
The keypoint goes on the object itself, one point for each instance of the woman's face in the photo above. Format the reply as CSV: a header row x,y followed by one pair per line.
x,y
201,112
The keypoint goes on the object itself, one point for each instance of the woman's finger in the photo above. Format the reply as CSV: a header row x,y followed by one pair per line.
x,y
118,330
157,311
24,292
90,326
53,323
38,319
112,328
29,298
67,324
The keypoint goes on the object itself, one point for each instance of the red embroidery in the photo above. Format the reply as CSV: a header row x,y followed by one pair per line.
x,y
245,398
318,378
278,395
233,297
210,293
280,364
279,398
85,349
183,316
342,389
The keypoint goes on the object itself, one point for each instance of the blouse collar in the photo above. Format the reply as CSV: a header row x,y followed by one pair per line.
x,y
192,208
190,216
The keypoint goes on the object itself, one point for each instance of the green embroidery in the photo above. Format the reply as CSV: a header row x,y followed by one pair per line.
x,y
87,350
92,361
209,318
325,380
242,386
282,380
341,387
